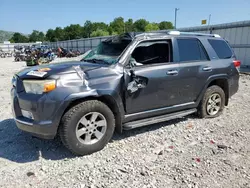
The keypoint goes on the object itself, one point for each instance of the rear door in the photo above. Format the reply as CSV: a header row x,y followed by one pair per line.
x,y
194,66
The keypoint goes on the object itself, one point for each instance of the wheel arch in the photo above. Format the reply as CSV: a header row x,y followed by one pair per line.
x,y
221,81
224,85
111,99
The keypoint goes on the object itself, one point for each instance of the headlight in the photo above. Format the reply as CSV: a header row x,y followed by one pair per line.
x,y
39,86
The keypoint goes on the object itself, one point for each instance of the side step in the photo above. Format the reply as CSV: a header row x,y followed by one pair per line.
x,y
157,119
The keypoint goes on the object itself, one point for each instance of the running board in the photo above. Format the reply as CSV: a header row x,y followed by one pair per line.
x,y
157,119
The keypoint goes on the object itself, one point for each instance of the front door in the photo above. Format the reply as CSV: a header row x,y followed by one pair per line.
x,y
153,82
152,87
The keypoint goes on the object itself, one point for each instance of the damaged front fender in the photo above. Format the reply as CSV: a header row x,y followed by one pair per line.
x,y
110,97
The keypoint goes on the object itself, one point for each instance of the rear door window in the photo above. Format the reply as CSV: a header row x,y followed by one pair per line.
x,y
221,48
191,49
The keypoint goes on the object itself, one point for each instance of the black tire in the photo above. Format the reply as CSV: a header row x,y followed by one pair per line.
x,y
67,129
202,109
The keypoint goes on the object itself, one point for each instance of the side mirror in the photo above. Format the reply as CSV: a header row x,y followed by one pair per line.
x,y
132,62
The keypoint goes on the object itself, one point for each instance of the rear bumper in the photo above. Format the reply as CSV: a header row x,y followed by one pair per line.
x,y
233,85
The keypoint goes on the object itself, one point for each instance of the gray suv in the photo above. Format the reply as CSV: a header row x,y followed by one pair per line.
x,y
128,81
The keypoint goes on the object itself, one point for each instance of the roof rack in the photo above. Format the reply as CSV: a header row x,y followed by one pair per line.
x,y
147,34
192,33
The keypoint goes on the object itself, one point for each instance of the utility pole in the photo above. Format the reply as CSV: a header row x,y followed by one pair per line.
x,y
175,17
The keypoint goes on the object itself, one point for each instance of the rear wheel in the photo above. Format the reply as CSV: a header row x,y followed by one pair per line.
x,y
212,103
87,127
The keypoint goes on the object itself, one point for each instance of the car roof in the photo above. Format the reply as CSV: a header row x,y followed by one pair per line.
x,y
160,34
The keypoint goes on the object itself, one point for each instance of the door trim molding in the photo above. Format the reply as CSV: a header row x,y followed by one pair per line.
x,y
158,110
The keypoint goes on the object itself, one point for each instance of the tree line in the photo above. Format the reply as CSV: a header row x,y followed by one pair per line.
x,y
92,29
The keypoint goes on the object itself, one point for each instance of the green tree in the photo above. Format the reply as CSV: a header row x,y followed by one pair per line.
x,y
152,27
90,29
166,25
114,33
41,36
110,30
129,27
19,38
74,31
36,36
99,26
87,29
59,34
11,40
50,35
99,33
118,25
140,25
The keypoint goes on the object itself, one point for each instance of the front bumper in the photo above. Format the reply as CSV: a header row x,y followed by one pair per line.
x,y
46,113
46,130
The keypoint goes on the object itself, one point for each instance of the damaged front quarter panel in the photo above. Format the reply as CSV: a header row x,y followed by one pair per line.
x,y
103,83
76,78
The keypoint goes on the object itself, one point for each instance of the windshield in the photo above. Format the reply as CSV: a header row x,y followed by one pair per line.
x,y
107,51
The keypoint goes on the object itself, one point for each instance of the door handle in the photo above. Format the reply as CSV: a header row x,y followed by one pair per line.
x,y
207,68
172,72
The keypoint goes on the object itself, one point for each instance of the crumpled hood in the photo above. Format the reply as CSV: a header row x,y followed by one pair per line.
x,y
46,70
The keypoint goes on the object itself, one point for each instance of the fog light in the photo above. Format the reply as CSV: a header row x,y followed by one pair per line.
x,y
27,114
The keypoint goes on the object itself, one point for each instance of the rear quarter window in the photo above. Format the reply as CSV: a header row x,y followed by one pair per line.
x,y
221,48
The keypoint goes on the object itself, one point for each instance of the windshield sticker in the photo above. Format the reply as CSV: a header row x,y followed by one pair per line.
x,y
37,73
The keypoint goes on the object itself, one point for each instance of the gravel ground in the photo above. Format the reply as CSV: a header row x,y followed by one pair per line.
x,y
188,152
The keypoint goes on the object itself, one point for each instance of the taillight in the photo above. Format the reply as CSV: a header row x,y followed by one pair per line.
x,y
237,63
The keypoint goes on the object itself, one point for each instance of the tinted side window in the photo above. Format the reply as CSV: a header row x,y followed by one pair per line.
x,y
191,50
221,48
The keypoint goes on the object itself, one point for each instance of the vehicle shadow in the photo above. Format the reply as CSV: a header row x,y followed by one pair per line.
x,y
21,147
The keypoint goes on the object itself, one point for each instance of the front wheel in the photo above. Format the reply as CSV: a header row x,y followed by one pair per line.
x,y
87,127
212,103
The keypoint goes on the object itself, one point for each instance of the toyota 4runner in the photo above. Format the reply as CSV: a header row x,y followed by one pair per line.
x,y
128,81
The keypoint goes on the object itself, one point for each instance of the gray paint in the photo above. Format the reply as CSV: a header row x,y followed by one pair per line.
x,y
162,93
